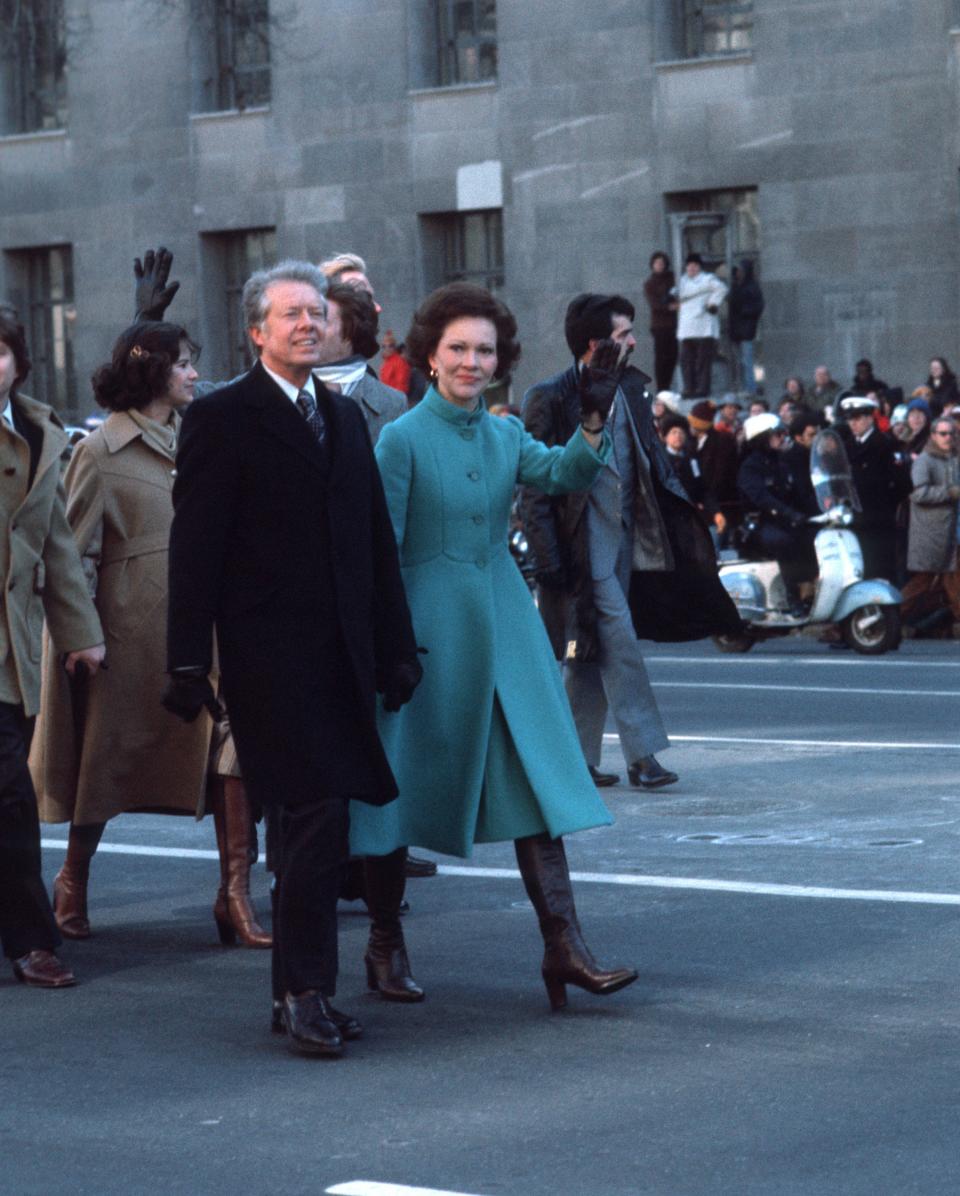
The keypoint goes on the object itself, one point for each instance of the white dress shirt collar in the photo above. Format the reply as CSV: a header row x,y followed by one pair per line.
x,y
7,413
290,389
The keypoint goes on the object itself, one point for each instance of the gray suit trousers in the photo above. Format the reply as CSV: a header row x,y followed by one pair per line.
x,y
618,681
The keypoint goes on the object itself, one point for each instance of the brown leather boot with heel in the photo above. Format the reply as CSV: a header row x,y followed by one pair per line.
x,y
388,969
233,911
566,958
70,883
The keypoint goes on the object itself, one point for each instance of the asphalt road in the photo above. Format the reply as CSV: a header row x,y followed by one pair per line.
x,y
792,905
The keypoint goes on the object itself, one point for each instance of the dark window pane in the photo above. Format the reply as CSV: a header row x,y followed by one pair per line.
x,y
714,27
44,287
243,252
467,31
243,53
33,85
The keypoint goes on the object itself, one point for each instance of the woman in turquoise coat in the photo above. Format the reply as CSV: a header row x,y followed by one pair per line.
x,y
487,750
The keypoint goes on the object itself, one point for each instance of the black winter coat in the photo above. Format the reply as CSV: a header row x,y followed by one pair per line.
x,y
657,292
745,306
284,546
686,603
881,478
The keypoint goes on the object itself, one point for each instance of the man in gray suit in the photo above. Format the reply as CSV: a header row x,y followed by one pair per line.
x,y
350,340
587,546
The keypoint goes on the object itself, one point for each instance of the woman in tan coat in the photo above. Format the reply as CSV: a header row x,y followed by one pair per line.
x,y
106,746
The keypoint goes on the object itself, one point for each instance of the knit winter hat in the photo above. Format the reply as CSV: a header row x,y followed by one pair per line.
x,y
700,416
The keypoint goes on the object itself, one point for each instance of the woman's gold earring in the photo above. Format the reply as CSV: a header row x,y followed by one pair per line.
x,y
433,374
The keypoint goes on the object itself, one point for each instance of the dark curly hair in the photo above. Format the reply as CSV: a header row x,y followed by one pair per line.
x,y
139,369
455,301
359,321
590,318
13,336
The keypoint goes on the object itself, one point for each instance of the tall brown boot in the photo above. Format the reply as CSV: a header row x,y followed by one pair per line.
x,y
70,883
388,969
567,958
232,910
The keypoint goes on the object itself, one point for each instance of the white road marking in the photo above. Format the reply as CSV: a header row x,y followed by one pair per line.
x,y
627,879
810,689
845,662
855,744
368,1187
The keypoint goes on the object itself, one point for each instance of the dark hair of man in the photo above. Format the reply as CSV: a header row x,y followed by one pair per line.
x,y
693,257
140,366
803,420
671,422
659,253
456,301
590,318
359,322
15,338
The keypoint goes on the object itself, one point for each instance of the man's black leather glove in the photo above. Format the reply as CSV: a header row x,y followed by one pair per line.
x,y
400,685
188,692
550,579
152,295
598,383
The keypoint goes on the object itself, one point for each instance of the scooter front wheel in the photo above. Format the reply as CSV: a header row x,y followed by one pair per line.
x,y
872,629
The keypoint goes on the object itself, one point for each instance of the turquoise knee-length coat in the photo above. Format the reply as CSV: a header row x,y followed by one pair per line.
x,y
486,750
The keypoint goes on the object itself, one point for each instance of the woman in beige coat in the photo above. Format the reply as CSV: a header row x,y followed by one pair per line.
x,y
106,746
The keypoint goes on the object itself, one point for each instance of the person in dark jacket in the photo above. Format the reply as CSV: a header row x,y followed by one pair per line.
x,y
803,431
745,307
629,558
663,318
864,379
881,480
781,527
717,456
675,434
943,386
282,543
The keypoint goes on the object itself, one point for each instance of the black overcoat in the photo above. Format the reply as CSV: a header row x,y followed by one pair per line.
x,y
284,546
687,602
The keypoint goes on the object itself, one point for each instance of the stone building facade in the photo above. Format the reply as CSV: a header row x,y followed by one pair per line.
x,y
543,146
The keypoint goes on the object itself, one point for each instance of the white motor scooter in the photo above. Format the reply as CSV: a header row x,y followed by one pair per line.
x,y
866,611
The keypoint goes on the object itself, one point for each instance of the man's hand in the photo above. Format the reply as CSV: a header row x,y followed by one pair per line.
x,y
400,685
90,658
152,295
188,692
599,381
720,522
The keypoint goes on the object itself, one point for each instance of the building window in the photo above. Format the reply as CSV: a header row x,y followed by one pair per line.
x,y
42,294
473,247
231,258
467,39
33,59
716,27
232,63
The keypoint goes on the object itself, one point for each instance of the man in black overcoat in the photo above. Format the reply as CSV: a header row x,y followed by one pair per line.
x,y
282,544
629,558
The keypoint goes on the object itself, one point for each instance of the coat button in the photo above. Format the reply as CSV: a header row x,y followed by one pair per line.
x,y
173,473
10,471
478,519
481,562
474,475
467,433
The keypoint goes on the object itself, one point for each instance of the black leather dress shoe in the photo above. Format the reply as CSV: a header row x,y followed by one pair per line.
x,y
603,779
308,1021
416,866
42,969
648,773
348,1026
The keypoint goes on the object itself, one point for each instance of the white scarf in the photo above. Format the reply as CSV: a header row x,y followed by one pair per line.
x,y
346,374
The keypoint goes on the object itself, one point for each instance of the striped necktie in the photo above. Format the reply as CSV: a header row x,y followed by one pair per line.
x,y
307,406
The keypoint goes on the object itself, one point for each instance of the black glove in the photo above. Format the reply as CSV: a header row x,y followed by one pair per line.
x,y
151,295
550,579
403,680
712,309
188,692
599,381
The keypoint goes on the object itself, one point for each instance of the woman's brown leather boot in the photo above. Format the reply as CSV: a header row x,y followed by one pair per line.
x,y
388,969
567,958
233,910
70,883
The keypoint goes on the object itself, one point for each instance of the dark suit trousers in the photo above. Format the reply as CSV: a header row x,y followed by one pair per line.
x,y
696,364
26,917
665,349
311,849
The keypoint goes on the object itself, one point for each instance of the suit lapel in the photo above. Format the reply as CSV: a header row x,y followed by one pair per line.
x,y
281,419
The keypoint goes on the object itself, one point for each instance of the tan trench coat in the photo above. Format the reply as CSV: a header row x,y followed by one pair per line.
x,y
39,568
134,754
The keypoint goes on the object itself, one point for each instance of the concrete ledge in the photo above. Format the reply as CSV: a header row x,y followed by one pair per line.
x,y
230,113
454,89
679,64
36,135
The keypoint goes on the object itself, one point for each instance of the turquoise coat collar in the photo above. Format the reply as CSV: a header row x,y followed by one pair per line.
x,y
451,412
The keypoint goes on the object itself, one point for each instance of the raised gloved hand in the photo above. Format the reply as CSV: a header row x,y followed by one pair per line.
x,y
404,678
188,692
599,381
152,295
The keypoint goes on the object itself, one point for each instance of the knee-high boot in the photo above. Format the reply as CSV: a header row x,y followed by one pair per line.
x,y
70,883
388,969
566,959
232,910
